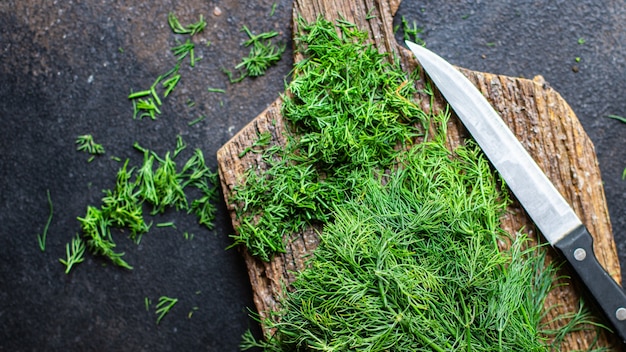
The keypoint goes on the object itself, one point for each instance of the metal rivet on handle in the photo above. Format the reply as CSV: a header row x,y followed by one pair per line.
x,y
580,254
620,313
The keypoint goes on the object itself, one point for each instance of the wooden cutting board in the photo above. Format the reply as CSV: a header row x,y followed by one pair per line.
x,y
538,115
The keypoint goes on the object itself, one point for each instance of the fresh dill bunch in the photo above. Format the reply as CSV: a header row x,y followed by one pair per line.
x,y
414,265
158,183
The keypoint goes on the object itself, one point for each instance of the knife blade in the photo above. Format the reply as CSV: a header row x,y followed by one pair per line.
x,y
548,209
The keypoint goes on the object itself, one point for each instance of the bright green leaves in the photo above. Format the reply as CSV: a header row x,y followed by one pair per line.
x,y
74,254
164,306
158,184
350,109
263,54
191,29
87,144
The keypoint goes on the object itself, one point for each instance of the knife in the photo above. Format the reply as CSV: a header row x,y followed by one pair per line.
x,y
550,212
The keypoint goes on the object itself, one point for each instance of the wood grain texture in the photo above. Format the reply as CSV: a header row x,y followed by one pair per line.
x,y
536,113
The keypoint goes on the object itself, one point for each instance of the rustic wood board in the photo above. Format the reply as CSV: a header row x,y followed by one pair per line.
x,y
536,113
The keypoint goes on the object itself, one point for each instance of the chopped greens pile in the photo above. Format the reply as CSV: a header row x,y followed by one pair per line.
x,y
157,183
350,109
409,256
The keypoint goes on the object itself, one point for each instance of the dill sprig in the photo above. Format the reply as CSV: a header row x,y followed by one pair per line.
x,y
262,55
412,33
74,254
87,144
183,49
41,238
163,307
191,29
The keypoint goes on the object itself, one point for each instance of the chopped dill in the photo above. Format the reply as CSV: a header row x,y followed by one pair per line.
x,y
74,254
216,90
87,144
349,109
412,33
157,183
41,238
164,306
263,54
183,49
191,29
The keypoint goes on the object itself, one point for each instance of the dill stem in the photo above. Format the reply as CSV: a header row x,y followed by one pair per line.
x,y
41,238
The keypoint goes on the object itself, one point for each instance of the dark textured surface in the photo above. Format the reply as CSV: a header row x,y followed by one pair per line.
x,y
62,74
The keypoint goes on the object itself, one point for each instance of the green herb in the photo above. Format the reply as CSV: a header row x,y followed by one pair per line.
x,y
216,90
74,254
412,33
188,236
191,29
180,145
197,174
273,10
166,224
115,158
158,183
147,303
581,41
193,122
164,306
409,256
171,83
41,238
263,139
618,118
349,109
182,50
87,144
263,54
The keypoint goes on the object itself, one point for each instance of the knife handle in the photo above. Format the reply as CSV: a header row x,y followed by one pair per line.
x,y
577,247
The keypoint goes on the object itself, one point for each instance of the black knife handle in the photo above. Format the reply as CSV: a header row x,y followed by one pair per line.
x,y
577,247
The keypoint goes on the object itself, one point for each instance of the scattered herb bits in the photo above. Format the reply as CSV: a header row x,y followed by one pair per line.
x,y
158,183
163,307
